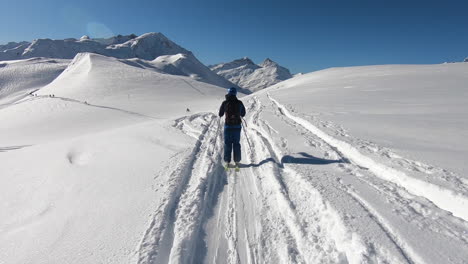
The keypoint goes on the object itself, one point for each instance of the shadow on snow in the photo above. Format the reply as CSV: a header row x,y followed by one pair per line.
x,y
303,159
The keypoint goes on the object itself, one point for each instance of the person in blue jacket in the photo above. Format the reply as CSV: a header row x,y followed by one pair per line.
x,y
233,109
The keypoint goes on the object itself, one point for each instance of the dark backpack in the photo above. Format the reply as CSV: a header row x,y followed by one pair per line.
x,y
232,111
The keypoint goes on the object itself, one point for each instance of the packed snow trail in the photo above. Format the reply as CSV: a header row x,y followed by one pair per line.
x,y
298,198
449,200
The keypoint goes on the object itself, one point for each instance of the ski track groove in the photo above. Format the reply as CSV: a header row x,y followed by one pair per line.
x,y
405,250
266,252
163,228
273,229
197,200
448,200
291,216
304,182
232,221
161,225
251,249
405,203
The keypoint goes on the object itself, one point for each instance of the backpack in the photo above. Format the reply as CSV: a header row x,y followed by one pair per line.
x,y
232,110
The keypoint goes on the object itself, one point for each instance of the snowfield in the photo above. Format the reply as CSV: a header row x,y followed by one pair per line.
x,y
117,161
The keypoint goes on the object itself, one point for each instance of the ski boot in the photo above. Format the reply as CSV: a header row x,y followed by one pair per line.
x,y
237,168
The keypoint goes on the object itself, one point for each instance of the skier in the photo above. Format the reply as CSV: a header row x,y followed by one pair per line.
x,y
234,110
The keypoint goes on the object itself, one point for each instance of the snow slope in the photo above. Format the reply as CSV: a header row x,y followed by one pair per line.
x,y
416,110
113,169
81,170
246,74
18,78
185,65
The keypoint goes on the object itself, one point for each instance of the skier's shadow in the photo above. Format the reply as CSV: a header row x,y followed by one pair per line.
x,y
303,159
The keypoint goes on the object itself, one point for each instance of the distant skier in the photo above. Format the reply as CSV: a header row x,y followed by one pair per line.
x,y
234,110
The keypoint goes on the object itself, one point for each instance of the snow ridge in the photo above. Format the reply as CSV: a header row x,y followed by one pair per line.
x,y
189,65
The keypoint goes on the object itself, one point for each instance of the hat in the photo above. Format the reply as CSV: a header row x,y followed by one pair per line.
x,y
232,91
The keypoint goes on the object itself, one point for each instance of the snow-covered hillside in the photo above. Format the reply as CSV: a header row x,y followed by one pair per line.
x,y
150,51
185,65
246,74
116,161
19,78
80,169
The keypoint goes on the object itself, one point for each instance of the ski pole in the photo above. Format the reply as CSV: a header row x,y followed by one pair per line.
x,y
245,123
245,133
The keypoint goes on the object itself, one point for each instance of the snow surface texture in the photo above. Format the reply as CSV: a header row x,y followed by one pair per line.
x,y
116,161
18,78
251,76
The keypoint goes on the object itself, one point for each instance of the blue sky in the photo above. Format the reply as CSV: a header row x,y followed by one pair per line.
x,y
301,35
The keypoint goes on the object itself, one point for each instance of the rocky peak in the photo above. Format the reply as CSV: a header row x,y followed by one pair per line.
x,y
268,63
246,74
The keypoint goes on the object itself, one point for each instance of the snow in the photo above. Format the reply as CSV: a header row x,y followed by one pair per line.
x,y
152,51
18,78
147,46
116,160
92,161
246,74
188,65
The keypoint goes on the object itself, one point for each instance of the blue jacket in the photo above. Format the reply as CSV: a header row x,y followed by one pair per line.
x,y
222,109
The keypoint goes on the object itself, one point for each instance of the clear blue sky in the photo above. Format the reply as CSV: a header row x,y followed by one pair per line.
x,y
301,35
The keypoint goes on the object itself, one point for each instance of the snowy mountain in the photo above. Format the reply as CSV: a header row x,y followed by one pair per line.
x,y
12,45
147,46
245,73
184,65
151,50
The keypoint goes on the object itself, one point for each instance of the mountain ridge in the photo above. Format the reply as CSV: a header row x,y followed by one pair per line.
x,y
253,77
148,46
139,51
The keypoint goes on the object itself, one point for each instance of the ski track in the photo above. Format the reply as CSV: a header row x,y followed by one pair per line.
x,y
198,198
164,240
271,212
413,209
410,208
309,225
449,200
345,240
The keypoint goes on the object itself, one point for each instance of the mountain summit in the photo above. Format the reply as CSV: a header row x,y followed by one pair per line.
x,y
151,51
147,46
246,74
